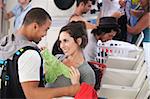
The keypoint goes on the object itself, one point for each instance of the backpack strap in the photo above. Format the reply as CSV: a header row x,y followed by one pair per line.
x,y
9,75
22,50
4,77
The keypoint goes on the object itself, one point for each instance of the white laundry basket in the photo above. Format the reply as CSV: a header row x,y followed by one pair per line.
x,y
117,49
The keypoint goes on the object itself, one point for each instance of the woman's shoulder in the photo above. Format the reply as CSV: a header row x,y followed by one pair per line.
x,y
85,66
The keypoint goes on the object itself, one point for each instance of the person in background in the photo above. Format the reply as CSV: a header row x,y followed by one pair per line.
x,y
72,39
82,7
122,21
109,7
26,70
19,12
106,30
133,15
143,25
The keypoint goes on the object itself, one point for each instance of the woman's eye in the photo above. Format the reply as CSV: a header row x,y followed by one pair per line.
x,y
65,40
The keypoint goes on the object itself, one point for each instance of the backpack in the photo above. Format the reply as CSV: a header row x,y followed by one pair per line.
x,y
10,85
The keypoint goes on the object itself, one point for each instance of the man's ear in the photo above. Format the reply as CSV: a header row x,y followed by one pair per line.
x,y
79,41
35,26
82,4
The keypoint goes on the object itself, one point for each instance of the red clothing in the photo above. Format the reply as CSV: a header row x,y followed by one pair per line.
x,y
86,92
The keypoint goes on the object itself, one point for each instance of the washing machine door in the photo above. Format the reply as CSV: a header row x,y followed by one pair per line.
x,y
64,4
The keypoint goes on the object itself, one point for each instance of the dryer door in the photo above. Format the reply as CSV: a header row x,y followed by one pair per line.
x,y
64,4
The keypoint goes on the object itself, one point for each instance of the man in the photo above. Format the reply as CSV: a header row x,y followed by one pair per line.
x,y
107,29
19,11
82,7
25,73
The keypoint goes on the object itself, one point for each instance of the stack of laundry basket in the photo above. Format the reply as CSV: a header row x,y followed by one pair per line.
x,y
125,75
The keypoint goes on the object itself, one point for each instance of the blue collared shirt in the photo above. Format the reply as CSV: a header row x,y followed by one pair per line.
x,y
20,13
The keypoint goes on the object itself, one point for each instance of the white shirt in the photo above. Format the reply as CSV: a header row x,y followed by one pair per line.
x,y
109,7
29,66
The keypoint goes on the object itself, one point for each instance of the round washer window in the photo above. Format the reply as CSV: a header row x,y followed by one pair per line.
x,y
64,4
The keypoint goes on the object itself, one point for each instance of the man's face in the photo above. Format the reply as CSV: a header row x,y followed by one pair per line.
x,y
87,7
41,31
23,1
107,36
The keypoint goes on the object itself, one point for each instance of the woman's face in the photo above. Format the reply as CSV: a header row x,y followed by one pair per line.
x,y
67,44
107,36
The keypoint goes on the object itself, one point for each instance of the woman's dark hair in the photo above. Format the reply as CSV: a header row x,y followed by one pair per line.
x,y
76,30
104,30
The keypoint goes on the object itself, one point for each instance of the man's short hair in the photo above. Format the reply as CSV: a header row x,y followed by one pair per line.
x,y
84,1
38,15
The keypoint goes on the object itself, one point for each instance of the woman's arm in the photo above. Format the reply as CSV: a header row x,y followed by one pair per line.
x,y
140,26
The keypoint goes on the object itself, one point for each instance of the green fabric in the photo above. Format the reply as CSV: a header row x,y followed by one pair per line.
x,y
53,67
135,2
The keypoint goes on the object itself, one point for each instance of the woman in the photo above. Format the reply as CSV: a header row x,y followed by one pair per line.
x,y
144,25
72,39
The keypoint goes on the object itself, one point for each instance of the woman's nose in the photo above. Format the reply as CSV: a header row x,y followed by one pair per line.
x,y
62,45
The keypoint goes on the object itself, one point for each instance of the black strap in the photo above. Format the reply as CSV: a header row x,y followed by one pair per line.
x,y
10,72
22,50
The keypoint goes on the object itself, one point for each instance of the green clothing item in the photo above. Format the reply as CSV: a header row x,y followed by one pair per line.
x,y
86,75
135,2
53,67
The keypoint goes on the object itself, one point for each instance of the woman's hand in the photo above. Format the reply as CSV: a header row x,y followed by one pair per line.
x,y
74,75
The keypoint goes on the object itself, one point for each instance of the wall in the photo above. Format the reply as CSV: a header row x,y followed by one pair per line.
x,y
59,18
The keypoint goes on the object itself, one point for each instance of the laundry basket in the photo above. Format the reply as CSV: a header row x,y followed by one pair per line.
x,y
115,48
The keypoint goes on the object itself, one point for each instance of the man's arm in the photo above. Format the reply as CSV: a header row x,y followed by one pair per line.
x,y
32,91
28,68
88,24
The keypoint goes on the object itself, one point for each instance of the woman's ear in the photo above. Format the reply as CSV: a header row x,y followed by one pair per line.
x,y
79,41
